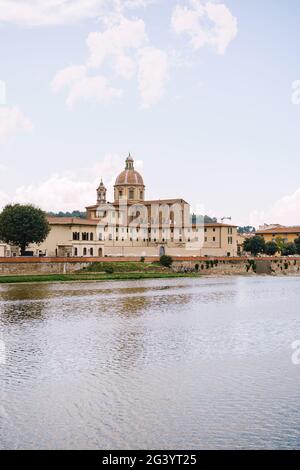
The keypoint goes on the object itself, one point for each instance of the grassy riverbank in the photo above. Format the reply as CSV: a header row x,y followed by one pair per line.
x,y
92,277
99,271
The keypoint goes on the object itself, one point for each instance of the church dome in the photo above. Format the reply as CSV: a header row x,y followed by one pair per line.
x,y
129,176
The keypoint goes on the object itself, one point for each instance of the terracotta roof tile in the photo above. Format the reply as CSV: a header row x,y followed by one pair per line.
x,y
129,177
278,230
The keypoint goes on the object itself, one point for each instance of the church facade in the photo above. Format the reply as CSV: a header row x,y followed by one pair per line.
x,y
133,226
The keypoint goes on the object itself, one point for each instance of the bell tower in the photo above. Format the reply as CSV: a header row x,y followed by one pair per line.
x,y
101,193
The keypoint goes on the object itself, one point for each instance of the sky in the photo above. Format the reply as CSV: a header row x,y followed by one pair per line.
x,y
204,94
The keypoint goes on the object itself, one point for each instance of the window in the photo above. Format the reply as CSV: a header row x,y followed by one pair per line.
x,y
120,193
110,236
230,230
84,251
92,251
205,239
100,237
141,194
76,236
91,236
131,194
229,240
214,229
214,239
75,251
85,236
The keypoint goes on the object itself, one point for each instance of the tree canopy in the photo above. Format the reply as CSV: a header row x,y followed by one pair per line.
x,y
246,229
255,245
297,245
271,248
288,249
22,225
79,214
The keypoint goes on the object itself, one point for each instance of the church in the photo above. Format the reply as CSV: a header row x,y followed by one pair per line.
x,y
131,225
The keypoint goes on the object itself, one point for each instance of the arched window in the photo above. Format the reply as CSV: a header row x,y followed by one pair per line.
x,y
92,251
75,251
131,193
84,251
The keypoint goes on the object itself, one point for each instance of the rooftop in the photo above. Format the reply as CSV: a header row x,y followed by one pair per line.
x,y
292,229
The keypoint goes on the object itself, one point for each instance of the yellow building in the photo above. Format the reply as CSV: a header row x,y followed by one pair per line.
x,y
134,226
288,234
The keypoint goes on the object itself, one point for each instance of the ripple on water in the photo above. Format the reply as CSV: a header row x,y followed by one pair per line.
x,y
181,363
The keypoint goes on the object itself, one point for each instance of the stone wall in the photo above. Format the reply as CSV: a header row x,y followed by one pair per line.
x,y
239,266
205,266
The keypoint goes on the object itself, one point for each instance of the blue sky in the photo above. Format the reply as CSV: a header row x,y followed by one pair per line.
x,y
205,107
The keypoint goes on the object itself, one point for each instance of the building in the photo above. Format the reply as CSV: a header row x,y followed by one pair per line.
x,y
134,226
288,234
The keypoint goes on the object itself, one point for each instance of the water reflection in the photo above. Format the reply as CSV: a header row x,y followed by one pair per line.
x,y
197,363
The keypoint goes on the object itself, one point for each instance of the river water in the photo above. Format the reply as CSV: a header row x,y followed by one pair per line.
x,y
157,364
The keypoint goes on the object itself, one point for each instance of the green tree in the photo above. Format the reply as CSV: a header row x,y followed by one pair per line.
x,y
280,243
297,244
271,248
289,249
246,229
255,245
21,225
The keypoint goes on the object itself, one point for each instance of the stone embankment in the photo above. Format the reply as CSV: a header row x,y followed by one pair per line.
x,y
205,266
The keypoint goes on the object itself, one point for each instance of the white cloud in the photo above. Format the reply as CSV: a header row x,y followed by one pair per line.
x,y
206,23
285,211
56,12
68,76
125,67
4,199
128,34
124,47
49,12
95,88
69,191
12,122
152,75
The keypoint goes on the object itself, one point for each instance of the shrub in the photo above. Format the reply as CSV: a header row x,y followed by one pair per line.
x,y
271,248
142,259
297,244
109,269
288,249
166,261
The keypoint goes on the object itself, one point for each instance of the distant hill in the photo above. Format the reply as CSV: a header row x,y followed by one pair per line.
x,y
81,215
246,229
